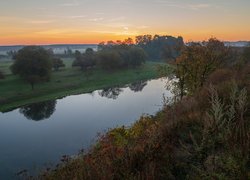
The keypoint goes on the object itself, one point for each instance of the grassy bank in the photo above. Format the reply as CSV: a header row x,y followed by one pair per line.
x,y
205,136
15,92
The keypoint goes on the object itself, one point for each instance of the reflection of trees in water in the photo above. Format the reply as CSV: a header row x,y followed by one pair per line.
x,y
111,93
39,111
138,86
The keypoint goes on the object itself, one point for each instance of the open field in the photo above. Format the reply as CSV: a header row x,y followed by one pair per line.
x,y
15,92
5,66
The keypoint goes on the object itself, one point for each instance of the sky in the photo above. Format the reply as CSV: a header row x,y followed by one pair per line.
x,y
92,21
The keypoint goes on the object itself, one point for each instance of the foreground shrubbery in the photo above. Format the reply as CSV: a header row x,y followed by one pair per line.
x,y
206,136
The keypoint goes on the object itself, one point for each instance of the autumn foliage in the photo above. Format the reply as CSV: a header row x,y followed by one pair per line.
x,y
205,135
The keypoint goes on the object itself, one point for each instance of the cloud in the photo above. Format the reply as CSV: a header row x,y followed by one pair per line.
x,y
41,21
143,27
118,33
190,6
117,19
70,4
199,6
77,17
127,33
57,31
97,19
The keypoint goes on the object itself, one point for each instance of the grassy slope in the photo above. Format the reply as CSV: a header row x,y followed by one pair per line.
x,y
15,92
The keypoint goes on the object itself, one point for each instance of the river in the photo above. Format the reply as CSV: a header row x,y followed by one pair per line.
x,y
37,135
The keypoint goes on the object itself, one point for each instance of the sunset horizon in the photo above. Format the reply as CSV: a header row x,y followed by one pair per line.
x,y
186,40
91,22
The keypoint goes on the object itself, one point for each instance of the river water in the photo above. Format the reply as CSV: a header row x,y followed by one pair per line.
x,y
37,135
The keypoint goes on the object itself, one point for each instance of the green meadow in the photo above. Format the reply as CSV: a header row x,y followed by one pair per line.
x,y
16,92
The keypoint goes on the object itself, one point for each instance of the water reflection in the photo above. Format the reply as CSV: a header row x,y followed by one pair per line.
x,y
75,122
110,93
138,86
39,111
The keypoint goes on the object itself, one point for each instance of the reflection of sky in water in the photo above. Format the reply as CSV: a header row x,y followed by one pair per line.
x,y
76,121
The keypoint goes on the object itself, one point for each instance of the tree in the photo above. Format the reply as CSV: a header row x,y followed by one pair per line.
x,y
143,39
197,62
33,64
86,60
160,47
11,53
109,60
137,56
128,41
246,54
89,52
57,63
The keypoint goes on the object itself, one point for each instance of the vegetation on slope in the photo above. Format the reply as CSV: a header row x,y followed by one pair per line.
x,y
205,135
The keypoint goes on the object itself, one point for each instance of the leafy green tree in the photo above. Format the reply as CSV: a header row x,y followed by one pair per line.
x,y
33,64
57,63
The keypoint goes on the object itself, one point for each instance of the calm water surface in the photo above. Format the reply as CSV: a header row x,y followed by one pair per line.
x,y
39,134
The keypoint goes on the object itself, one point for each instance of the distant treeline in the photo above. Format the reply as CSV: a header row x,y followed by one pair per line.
x,y
110,57
157,48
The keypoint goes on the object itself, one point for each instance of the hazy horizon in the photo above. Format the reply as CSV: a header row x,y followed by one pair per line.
x,y
92,21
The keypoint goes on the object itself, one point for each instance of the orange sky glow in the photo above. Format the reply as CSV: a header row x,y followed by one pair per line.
x,y
90,22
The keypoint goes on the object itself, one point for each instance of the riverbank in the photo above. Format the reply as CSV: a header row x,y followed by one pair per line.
x,y
204,136
68,81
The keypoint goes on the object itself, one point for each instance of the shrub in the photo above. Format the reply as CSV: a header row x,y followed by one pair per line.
x,y
57,63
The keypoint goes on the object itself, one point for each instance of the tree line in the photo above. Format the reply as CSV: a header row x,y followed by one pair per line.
x,y
157,48
194,62
34,63
110,57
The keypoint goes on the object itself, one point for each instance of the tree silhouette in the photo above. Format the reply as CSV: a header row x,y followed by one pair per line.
x,y
39,111
110,93
138,86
